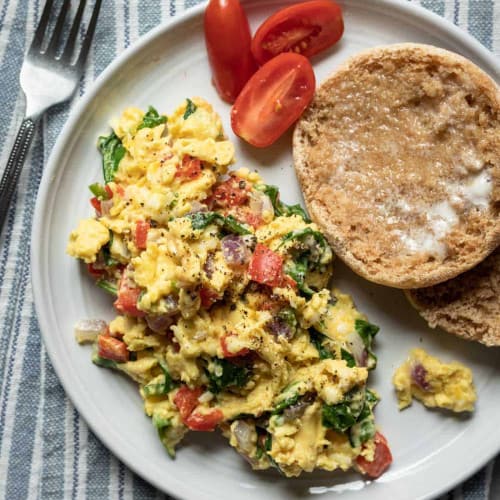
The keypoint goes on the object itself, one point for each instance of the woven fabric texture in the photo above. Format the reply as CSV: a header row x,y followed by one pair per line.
x,y
46,449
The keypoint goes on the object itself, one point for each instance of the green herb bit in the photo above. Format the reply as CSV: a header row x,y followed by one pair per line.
x,y
162,388
190,109
112,151
99,191
280,208
107,286
152,119
367,332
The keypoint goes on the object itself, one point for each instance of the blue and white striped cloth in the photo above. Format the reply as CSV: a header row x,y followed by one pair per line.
x,y
46,449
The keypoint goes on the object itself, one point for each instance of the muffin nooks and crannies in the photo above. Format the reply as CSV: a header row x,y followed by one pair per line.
x,y
398,157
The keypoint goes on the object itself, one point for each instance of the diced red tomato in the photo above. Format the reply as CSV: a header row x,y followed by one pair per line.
x,y
108,191
111,348
204,421
244,214
227,353
208,297
228,39
305,28
127,299
141,234
96,204
186,400
94,272
273,99
266,266
189,169
231,193
381,460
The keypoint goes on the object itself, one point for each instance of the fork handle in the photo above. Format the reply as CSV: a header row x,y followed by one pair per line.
x,y
14,166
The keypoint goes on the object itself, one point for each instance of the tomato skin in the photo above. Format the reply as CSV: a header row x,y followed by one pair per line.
x,y
186,400
126,302
305,28
208,297
110,348
233,192
381,460
189,169
141,234
96,204
227,353
273,99
266,266
228,40
204,422
94,271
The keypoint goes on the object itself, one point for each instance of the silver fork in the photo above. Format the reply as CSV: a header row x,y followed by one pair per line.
x,y
46,79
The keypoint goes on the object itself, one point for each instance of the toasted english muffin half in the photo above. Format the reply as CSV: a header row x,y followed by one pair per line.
x,y
468,305
398,157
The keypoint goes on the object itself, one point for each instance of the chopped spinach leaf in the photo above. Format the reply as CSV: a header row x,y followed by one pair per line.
x,y
367,332
201,220
106,252
317,340
163,387
152,119
344,415
190,109
348,358
281,208
226,374
112,151
285,403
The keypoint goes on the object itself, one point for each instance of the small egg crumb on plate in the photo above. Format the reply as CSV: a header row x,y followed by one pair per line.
x,y
225,317
434,383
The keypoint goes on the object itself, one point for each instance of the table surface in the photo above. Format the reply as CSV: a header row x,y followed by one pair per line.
x,y
46,449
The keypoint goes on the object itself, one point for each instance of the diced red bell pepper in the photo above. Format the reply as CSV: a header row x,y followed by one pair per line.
x,y
126,303
186,400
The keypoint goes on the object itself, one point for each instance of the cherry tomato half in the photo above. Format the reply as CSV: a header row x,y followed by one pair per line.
x,y
228,39
273,99
381,460
305,28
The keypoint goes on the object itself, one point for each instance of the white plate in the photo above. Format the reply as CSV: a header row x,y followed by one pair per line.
x,y
432,451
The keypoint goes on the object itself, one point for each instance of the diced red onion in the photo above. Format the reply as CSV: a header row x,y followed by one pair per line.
x,y
357,348
418,374
235,250
243,434
159,324
258,202
280,328
197,207
296,410
106,206
87,330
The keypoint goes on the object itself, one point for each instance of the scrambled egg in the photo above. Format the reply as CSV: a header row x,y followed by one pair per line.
x,y
225,315
434,383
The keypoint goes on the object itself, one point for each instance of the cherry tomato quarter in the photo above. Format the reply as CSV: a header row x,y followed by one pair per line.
x,y
228,40
305,28
273,99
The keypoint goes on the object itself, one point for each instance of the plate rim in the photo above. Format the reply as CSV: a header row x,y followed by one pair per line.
x,y
44,201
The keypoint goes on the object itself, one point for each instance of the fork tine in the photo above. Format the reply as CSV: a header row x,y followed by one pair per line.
x,y
52,48
88,36
36,44
70,44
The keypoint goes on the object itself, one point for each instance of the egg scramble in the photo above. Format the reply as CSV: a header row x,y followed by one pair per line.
x,y
225,315
434,383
